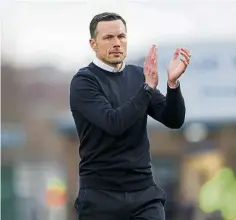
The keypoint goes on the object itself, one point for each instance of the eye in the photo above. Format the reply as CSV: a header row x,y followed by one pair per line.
x,y
122,36
108,37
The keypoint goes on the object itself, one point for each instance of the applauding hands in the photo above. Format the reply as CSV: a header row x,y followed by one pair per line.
x,y
176,68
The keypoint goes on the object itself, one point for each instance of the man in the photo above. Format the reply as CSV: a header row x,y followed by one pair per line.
x,y
110,102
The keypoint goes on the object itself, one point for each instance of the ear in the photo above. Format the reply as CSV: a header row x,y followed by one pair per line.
x,y
93,45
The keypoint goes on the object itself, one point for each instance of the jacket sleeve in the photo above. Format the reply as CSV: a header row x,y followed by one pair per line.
x,y
87,98
170,109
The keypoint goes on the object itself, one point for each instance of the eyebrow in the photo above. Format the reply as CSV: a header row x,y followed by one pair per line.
x,y
112,35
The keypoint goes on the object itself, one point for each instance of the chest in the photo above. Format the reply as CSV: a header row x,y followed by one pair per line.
x,y
119,89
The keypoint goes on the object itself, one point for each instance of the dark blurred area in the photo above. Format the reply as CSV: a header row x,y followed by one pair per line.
x,y
196,165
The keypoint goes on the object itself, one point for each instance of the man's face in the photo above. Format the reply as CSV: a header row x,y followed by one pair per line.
x,y
110,44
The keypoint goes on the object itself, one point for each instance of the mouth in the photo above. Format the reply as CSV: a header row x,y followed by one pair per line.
x,y
116,52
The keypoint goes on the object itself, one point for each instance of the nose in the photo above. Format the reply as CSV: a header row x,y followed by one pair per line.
x,y
116,42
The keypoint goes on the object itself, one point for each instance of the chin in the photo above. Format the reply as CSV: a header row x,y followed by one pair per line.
x,y
116,61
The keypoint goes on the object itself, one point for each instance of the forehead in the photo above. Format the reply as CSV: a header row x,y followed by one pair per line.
x,y
110,27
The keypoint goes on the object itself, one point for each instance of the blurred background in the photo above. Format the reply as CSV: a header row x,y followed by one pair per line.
x,y
45,42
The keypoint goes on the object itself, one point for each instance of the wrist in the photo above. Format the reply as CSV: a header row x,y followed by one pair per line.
x,y
173,84
150,85
148,88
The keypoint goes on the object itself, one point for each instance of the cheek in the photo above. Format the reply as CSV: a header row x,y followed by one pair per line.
x,y
124,47
124,44
103,48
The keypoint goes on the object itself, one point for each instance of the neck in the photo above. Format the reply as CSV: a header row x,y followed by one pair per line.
x,y
117,66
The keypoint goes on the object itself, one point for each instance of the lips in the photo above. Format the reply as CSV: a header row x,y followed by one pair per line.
x,y
116,52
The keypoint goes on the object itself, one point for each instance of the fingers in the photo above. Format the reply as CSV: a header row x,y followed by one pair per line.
x,y
186,55
154,57
184,61
150,63
149,56
153,53
187,51
147,60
